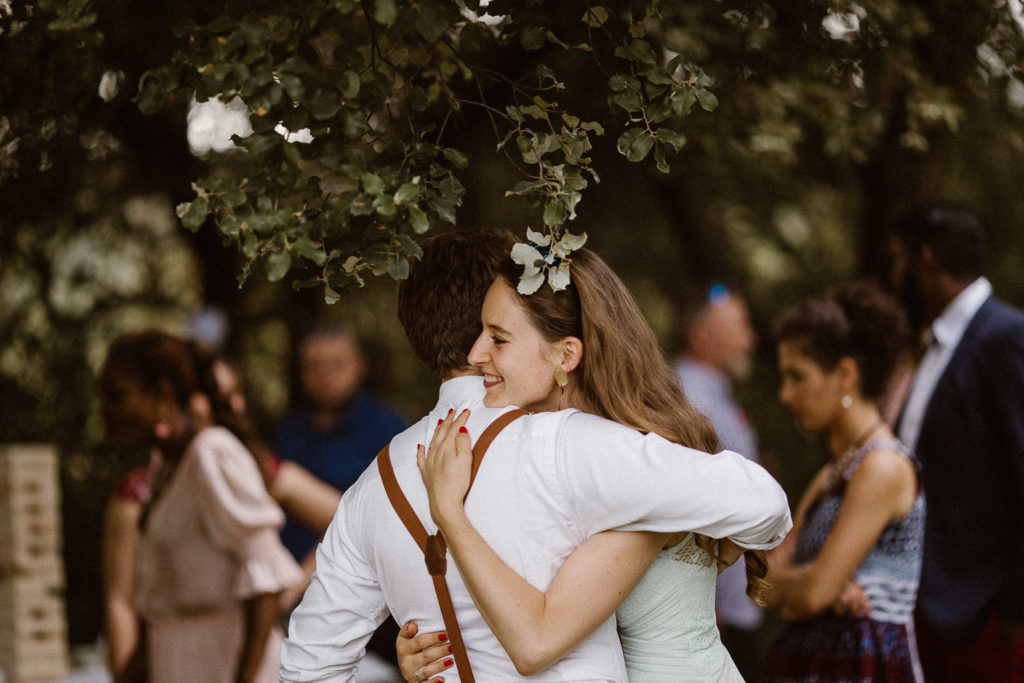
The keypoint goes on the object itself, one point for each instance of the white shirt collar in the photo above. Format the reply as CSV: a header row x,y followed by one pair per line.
x,y
459,389
949,327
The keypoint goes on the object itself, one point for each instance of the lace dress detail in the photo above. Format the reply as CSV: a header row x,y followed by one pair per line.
x,y
841,649
667,624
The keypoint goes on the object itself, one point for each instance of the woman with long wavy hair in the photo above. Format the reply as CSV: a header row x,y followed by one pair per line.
x,y
589,348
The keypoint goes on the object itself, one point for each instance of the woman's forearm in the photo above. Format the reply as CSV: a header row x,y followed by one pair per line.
x,y
260,616
785,581
535,628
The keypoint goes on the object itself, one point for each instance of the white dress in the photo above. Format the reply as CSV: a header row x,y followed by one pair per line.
x,y
667,624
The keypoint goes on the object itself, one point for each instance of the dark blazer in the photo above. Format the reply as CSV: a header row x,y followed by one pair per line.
x,y
972,450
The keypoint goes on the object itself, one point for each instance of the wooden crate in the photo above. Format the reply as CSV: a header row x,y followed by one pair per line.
x,y
30,522
33,628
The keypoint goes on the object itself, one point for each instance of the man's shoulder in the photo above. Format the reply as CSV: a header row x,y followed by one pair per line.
x,y
997,324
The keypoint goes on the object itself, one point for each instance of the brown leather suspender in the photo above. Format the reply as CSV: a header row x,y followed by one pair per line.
x,y
433,546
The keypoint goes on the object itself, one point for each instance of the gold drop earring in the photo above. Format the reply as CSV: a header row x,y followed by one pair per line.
x,y
562,380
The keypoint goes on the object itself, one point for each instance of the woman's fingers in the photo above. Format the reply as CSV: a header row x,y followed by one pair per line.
x,y
421,657
442,428
429,672
448,428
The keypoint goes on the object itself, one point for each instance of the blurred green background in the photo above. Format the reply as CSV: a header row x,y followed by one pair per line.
x,y
833,118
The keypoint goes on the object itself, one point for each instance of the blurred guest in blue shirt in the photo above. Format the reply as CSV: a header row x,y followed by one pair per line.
x,y
338,429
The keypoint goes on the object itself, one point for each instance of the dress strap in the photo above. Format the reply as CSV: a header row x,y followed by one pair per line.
x,y
886,442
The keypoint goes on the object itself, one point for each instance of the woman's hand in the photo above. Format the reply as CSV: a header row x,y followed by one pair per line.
x,y
783,556
446,468
728,553
853,601
422,657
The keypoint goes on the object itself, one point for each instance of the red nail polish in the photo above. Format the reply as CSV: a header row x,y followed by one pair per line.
x,y
449,649
448,662
463,430
442,636
440,421
419,446
451,410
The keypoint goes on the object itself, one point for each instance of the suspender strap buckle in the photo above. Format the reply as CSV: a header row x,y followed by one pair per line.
x,y
433,545
435,557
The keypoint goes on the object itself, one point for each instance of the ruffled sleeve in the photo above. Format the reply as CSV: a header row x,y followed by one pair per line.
x,y
239,515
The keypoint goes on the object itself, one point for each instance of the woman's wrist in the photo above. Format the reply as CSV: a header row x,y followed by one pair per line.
x,y
451,518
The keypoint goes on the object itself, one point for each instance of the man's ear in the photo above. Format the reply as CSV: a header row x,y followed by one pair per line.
x,y
927,258
572,353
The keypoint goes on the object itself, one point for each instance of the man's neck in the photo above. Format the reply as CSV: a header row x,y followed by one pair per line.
x,y
471,371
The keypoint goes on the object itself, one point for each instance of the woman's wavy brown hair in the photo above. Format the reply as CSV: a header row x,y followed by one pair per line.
x,y
623,375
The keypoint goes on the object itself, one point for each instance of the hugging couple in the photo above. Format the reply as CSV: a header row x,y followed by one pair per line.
x,y
588,546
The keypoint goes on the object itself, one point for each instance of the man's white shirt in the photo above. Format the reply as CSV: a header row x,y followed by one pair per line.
x,y
547,483
946,331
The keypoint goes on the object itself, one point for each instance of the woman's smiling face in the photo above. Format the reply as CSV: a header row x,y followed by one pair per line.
x,y
518,363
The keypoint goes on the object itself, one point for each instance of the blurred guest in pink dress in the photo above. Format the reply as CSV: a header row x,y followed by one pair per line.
x,y
209,566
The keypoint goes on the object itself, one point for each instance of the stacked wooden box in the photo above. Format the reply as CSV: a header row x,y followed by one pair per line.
x,y
33,628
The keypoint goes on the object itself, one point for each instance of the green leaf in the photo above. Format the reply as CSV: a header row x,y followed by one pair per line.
x,y
352,84
324,104
683,100
385,206
398,268
445,210
410,246
659,159
308,249
377,254
372,184
620,82
408,192
555,212
384,12
708,100
431,19
234,196
673,138
193,214
595,16
278,265
659,75
150,97
637,50
533,38
292,85
635,144
362,205
629,101
534,111
457,158
250,244
331,296
229,225
418,219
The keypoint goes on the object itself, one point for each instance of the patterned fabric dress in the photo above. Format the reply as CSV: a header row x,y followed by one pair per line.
x,y
852,649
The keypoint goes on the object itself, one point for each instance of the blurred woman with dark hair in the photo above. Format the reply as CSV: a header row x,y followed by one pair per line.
x,y
847,577
209,565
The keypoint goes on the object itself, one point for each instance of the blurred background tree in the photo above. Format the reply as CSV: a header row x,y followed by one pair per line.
x,y
767,144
